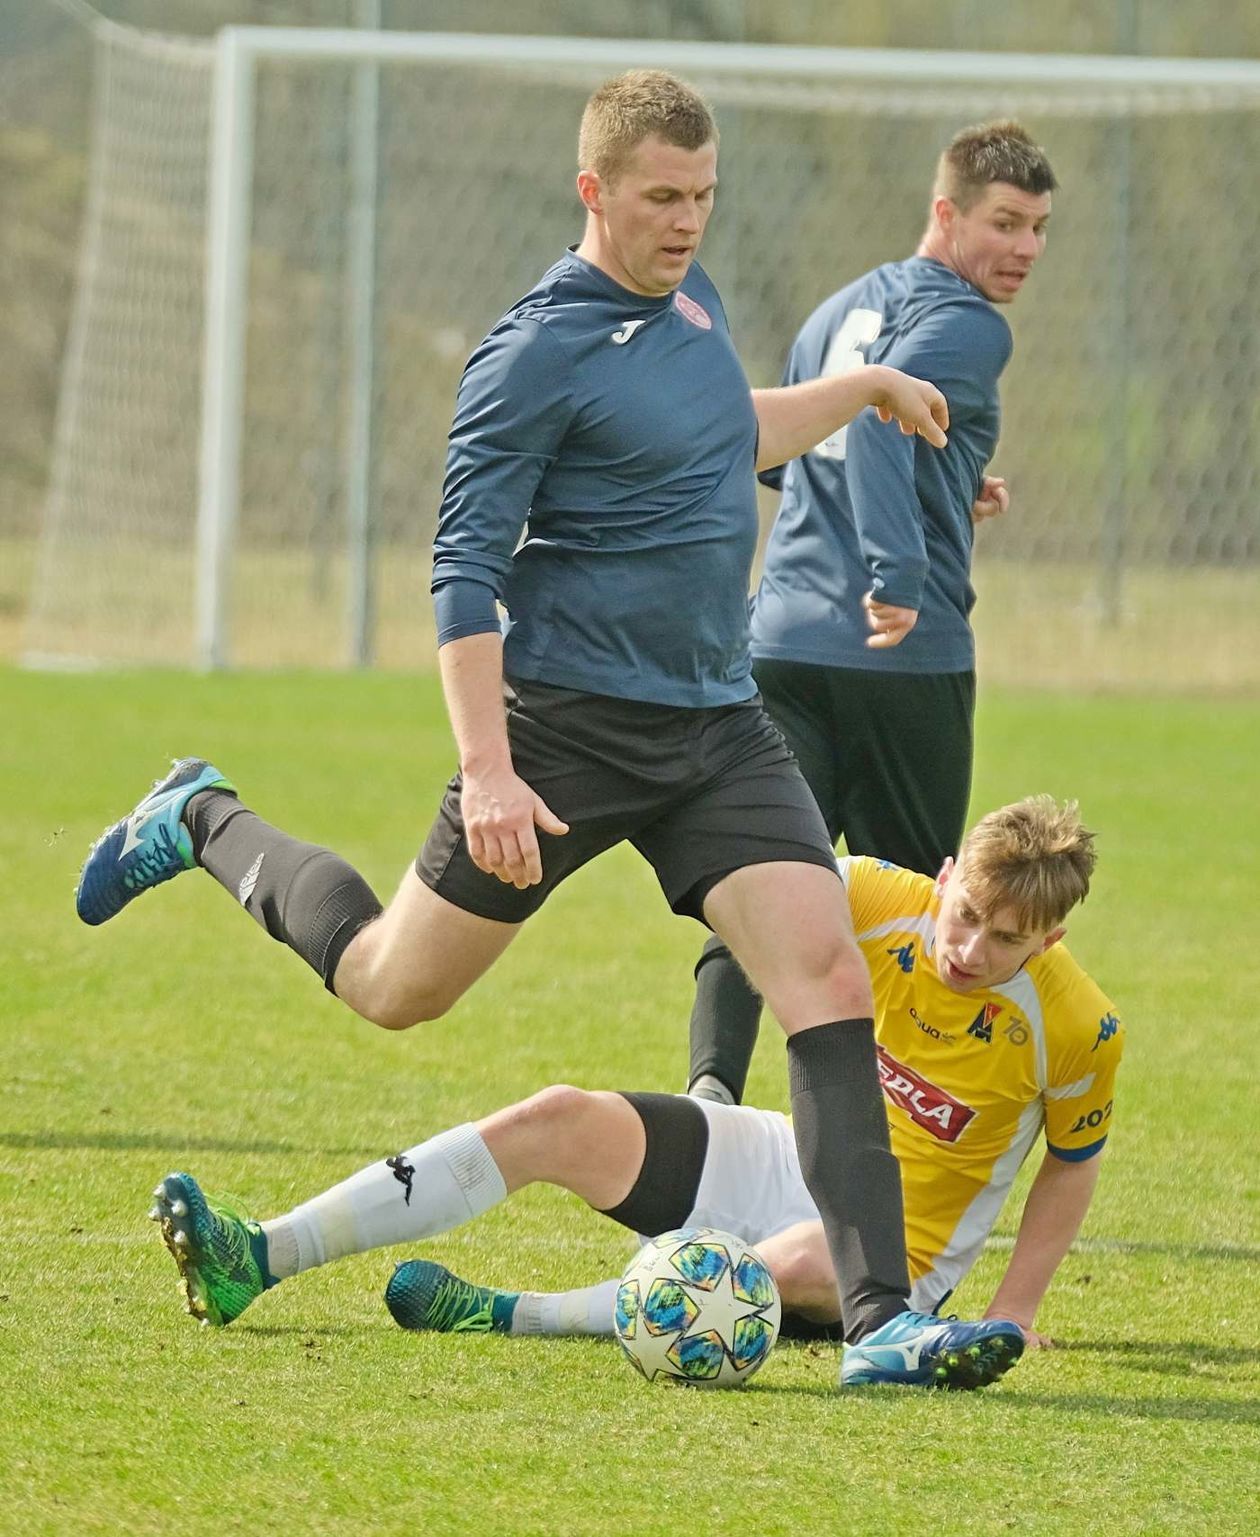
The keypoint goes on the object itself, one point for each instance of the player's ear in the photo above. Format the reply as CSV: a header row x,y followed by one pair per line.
x,y
943,875
1052,938
590,190
944,211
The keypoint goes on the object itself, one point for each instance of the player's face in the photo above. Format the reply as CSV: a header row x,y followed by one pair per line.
x,y
972,952
996,241
650,219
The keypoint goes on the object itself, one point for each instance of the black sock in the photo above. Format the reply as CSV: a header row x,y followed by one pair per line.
x,y
724,1019
841,1131
305,896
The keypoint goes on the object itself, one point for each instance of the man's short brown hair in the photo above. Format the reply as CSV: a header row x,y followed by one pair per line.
x,y
991,152
627,109
1033,856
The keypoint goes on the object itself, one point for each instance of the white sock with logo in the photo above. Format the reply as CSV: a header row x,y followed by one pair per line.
x,y
589,1310
429,1189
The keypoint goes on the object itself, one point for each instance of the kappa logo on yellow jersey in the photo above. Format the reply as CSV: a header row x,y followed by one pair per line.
x,y
1107,1027
905,956
934,1109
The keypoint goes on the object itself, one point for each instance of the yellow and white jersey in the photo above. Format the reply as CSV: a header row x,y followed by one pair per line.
x,y
972,1079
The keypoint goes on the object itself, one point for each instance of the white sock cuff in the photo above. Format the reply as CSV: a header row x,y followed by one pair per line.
x,y
470,1161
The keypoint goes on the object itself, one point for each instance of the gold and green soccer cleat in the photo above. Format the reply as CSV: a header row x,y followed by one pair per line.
x,y
422,1295
221,1253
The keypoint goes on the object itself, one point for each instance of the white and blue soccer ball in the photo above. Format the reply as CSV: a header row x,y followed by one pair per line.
x,y
697,1305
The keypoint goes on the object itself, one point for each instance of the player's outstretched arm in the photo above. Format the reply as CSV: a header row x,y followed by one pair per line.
x,y
794,418
1056,1207
500,810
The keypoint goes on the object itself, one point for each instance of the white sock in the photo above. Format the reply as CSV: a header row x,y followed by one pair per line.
x,y
589,1310
428,1189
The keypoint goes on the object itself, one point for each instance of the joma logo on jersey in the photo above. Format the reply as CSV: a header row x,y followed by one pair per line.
x,y
926,1105
982,1025
904,955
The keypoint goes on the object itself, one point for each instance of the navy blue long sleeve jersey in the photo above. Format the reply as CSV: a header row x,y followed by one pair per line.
x,y
872,510
618,431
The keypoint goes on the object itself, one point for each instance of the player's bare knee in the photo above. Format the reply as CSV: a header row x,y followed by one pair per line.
x,y
559,1105
399,1008
802,1270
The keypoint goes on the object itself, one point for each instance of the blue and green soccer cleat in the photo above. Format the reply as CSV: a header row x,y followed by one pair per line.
x,y
150,845
422,1295
221,1253
922,1350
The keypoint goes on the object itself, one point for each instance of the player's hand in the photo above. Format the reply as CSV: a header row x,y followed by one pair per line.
x,y
914,404
501,814
993,501
1033,1340
889,624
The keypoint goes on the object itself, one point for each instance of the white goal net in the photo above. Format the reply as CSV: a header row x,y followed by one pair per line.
x,y
294,238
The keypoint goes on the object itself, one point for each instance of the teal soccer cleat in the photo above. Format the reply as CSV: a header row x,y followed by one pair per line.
x,y
150,845
922,1350
220,1252
422,1295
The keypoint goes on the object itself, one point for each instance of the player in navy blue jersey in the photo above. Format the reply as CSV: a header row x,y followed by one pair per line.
x,y
600,488
861,636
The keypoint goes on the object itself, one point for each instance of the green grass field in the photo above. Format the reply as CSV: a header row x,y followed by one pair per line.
x,y
179,1036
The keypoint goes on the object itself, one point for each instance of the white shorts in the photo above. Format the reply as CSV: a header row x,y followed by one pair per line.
x,y
751,1185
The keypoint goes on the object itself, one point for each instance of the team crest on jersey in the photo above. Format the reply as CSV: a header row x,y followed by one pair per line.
x,y
938,1112
982,1025
904,955
690,310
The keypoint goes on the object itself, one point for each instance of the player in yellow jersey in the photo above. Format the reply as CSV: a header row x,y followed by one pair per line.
x,y
990,1035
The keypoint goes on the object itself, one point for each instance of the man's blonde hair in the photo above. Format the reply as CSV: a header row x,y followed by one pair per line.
x,y
991,152
627,109
1033,856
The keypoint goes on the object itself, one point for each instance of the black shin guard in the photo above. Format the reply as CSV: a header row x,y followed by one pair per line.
x,y
724,1019
305,896
841,1131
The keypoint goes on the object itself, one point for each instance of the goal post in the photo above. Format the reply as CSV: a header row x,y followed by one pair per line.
x,y
368,203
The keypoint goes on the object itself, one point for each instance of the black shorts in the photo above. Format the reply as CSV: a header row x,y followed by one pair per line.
x,y
887,755
699,793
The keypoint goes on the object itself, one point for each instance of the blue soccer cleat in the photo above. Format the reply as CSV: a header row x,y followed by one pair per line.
x,y
150,845
922,1350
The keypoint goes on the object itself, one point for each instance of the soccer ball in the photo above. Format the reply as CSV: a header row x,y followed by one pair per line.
x,y
697,1305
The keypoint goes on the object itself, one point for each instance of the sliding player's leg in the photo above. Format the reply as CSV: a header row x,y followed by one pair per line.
x,y
590,1143
704,1165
